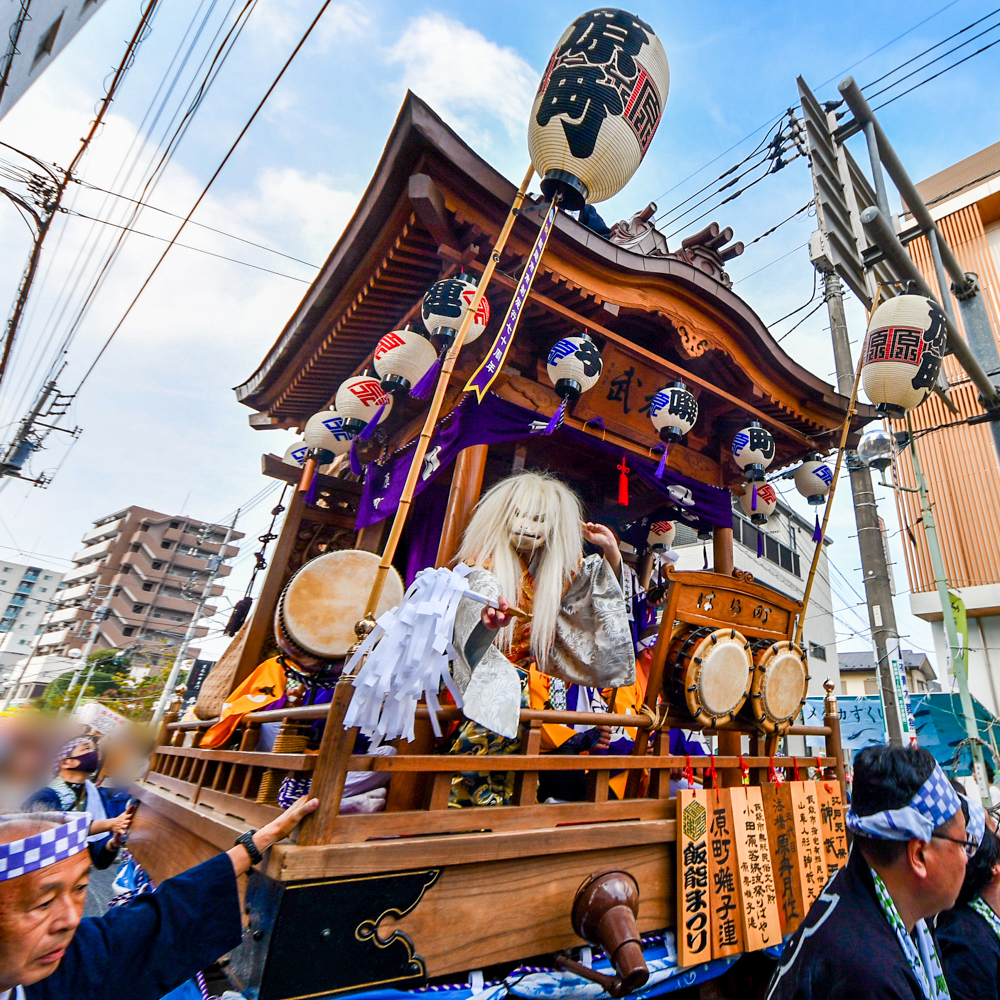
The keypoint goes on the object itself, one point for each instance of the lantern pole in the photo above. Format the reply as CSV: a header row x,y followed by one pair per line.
x,y
420,451
958,665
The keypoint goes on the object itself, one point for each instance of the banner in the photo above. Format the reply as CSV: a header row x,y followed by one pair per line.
x,y
484,376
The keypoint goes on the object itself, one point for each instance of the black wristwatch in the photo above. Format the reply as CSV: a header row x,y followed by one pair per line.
x,y
246,839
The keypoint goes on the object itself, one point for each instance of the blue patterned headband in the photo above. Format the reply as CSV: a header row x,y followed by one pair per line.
x,y
46,848
933,805
975,828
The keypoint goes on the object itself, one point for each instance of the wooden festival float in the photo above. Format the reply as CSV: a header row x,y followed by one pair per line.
x,y
420,892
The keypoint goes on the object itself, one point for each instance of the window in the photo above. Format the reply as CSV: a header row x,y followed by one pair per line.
x,y
774,551
843,687
46,577
128,630
138,608
819,652
22,642
175,524
43,590
29,614
134,547
165,544
157,565
47,42
871,685
147,586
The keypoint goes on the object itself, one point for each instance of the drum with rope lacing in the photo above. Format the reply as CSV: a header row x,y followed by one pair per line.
x,y
779,685
707,672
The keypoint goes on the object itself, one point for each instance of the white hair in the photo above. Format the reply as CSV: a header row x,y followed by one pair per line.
x,y
489,542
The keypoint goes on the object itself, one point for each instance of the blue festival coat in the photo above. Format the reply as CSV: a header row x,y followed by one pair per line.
x,y
845,948
970,954
152,944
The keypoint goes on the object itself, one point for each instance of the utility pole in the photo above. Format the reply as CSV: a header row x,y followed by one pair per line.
x,y
99,616
214,564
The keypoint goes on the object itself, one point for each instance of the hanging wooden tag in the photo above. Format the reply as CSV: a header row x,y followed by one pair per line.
x,y
831,817
694,943
785,860
762,926
726,916
805,806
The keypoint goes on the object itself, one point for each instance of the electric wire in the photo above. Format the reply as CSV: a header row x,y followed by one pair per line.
x,y
768,232
804,305
813,311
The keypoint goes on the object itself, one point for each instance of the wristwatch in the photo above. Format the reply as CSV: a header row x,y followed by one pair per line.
x,y
246,839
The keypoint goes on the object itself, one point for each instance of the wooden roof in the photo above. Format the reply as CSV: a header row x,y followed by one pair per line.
x,y
434,205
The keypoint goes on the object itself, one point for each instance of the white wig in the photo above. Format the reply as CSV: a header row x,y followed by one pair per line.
x,y
489,541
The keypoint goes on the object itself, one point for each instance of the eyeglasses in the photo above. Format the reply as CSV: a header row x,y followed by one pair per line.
x,y
970,845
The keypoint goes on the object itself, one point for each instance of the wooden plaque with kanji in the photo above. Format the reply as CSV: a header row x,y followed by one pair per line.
x,y
762,926
831,817
726,915
786,862
694,942
805,808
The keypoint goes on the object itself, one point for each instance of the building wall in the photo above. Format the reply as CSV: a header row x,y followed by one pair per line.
x,y
859,683
44,33
26,594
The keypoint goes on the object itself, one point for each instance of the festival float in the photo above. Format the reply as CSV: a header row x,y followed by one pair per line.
x,y
465,341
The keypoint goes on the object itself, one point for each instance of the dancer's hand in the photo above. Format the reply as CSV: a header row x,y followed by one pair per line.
x,y
497,618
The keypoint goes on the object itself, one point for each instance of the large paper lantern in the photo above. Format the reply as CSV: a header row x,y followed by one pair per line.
x,y
661,535
361,399
445,305
759,502
402,358
295,454
574,365
813,479
753,449
597,107
327,431
902,354
673,411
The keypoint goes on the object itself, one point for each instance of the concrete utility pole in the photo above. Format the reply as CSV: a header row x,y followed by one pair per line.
x,y
215,563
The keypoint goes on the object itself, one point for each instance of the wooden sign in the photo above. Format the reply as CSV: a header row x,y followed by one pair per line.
x,y
694,943
726,916
751,615
805,806
785,860
762,926
831,818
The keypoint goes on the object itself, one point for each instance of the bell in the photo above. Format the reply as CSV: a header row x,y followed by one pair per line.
x,y
604,912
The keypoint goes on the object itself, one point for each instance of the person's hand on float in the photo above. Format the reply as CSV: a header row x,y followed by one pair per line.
x,y
603,744
276,830
497,618
604,538
120,826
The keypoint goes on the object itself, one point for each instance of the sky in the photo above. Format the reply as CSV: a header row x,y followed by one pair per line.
x,y
161,427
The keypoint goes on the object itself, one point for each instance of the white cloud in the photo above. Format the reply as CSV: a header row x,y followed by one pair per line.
x,y
464,76
282,22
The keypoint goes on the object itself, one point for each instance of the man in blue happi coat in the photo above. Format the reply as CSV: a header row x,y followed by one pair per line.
x,y
139,951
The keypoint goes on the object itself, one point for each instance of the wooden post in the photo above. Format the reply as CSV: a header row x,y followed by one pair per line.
x,y
466,483
831,718
722,550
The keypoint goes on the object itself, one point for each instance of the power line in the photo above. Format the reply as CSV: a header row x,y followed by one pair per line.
x,y
811,312
800,308
757,239
775,261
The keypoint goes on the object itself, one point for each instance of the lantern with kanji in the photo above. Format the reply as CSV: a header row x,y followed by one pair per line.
x,y
661,535
295,454
753,449
902,354
813,479
402,358
597,107
445,305
574,365
360,401
673,411
327,431
758,502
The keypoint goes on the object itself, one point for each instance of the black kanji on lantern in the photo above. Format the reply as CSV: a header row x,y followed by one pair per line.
x,y
933,348
682,404
761,440
444,298
590,357
594,74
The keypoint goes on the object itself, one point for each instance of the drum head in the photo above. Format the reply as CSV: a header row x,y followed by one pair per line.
x,y
326,597
783,681
723,673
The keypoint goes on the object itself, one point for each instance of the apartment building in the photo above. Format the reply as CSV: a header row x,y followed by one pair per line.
x,y
26,594
138,579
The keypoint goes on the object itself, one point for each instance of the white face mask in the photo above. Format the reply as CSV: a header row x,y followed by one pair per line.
x,y
527,532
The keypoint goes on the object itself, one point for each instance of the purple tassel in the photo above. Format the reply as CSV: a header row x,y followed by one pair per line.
x,y
356,466
427,381
704,552
313,487
369,428
817,531
662,467
555,421
753,498
760,544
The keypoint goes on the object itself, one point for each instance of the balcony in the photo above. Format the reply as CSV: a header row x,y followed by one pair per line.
x,y
54,638
70,594
103,531
94,551
66,615
81,573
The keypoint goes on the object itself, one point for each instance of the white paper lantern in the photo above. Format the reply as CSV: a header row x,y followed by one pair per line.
x,y
813,479
574,365
673,411
753,449
661,535
326,431
902,355
597,107
402,358
761,507
295,454
358,400
445,305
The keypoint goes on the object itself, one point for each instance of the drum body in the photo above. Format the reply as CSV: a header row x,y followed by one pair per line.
x,y
708,672
316,613
779,685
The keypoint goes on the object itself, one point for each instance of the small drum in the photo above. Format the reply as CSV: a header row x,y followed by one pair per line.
x,y
779,685
708,672
316,613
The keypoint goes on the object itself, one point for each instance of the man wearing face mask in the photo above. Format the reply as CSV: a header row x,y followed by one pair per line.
x,y
71,790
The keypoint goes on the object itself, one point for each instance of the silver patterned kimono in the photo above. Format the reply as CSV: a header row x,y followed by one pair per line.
x,y
592,646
